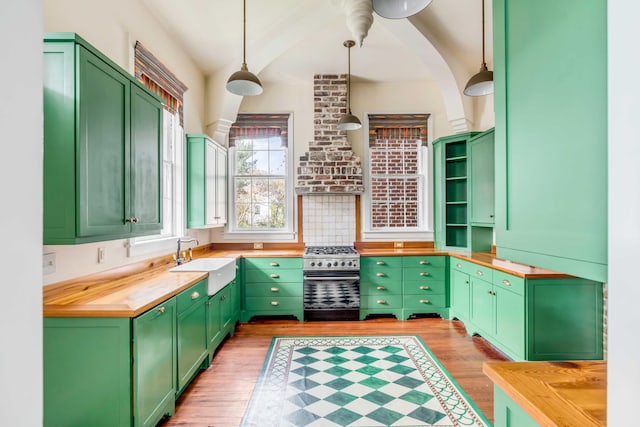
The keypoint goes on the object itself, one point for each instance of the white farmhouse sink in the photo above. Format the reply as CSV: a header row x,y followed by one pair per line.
x,y
221,271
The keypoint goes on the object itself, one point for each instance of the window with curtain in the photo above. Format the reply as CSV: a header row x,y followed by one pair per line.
x,y
398,166
260,174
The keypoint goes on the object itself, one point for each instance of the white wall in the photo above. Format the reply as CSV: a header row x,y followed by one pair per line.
x,y
21,216
624,212
113,28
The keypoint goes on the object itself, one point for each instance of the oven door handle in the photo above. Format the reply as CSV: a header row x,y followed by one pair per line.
x,y
331,277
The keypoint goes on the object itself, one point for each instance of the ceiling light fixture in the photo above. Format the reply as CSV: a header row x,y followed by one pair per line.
x,y
482,82
244,82
349,121
394,9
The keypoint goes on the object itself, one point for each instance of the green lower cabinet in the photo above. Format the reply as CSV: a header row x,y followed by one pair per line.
x,y
192,332
507,413
424,286
380,286
482,307
460,296
221,316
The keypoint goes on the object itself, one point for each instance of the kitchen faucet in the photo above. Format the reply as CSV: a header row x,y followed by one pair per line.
x,y
181,259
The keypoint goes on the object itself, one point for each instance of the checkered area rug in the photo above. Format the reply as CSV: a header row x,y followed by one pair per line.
x,y
357,381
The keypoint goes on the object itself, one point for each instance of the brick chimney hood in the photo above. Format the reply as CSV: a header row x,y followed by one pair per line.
x,y
329,167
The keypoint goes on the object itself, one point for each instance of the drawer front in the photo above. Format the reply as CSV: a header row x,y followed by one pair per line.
x,y
273,275
380,289
472,269
380,302
423,302
195,294
273,290
276,304
272,263
416,288
421,261
375,263
424,274
507,281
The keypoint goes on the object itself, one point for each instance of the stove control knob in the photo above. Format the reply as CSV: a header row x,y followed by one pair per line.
x,y
320,264
350,263
342,264
335,264
313,264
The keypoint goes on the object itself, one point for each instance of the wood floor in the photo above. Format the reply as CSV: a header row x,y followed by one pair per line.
x,y
219,395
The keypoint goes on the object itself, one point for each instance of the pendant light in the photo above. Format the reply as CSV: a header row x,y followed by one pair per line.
x,y
349,121
244,82
482,82
394,9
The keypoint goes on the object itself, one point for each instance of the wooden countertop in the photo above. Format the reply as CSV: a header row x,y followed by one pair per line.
x,y
562,394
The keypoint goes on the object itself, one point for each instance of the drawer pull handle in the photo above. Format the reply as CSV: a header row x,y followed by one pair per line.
x,y
424,301
274,264
161,310
506,282
274,276
275,289
424,273
466,282
195,295
380,274
275,303
424,287
381,301
380,263
223,297
479,273
380,288
459,265
424,262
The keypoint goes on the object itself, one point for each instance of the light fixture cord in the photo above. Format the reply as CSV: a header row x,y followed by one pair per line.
x,y
483,61
244,32
349,79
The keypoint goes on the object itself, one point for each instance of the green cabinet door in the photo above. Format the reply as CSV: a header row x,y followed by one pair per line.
x,y
146,161
192,332
551,170
460,296
507,413
154,364
226,309
510,321
482,179
482,306
214,323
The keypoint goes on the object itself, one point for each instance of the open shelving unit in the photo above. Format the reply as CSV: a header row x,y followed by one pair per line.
x,y
456,195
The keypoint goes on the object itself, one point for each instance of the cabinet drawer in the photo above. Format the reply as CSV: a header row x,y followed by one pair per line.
x,y
423,302
277,303
424,274
381,289
272,263
193,295
273,290
507,281
273,275
416,288
380,302
472,269
367,263
421,261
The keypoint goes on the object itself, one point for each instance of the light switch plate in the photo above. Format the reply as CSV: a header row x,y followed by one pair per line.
x,y
398,245
257,246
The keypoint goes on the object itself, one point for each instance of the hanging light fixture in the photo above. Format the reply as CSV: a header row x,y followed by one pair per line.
x,y
244,82
349,121
482,82
394,9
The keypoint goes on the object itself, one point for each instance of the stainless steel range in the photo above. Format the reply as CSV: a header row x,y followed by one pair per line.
x,y
331,283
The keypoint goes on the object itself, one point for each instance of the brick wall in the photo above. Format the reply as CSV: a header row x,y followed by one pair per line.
x,y
330,166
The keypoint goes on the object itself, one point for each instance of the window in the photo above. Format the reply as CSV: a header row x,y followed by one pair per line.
x,y
398,187
260,171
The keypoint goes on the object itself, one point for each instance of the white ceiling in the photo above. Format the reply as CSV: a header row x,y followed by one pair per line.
x,y
291,40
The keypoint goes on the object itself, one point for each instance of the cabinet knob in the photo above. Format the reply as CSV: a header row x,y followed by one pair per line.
x,y
161,310
274,264
380,274
479,273
381,301
195,295
491,216
466,281
380,288
135,219
223,297
274,276
459,265
275,303
275,289
380,262
424,301
424,287
424,273
506,282
424,262
128,220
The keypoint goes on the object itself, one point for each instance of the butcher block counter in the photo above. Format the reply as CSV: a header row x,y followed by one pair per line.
x,y
563,394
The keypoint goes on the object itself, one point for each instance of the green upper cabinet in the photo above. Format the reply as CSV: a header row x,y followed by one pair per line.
x,y
482,180
102,136
206,182
551,134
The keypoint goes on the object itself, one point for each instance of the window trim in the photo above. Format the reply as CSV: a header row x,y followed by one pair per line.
x,y
426,233
289,233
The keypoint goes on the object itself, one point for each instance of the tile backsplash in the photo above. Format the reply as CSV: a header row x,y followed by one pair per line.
x,y
329,220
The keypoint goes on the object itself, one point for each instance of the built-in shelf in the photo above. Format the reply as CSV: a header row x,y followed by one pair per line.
x,y
456,159
456,178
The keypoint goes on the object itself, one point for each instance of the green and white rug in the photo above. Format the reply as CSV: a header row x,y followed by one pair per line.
x,y
360,381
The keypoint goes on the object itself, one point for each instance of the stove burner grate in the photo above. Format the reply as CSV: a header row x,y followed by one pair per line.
x,y
330,250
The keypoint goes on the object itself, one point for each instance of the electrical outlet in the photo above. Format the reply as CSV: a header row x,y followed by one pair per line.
x,y
398,245
257,246
49,263
101,252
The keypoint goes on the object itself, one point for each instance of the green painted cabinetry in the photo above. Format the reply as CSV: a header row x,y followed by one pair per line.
x,y
482,180
381,286
424,286
206,182
508,413
557,318
192,332
102,136
272,287
551,134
